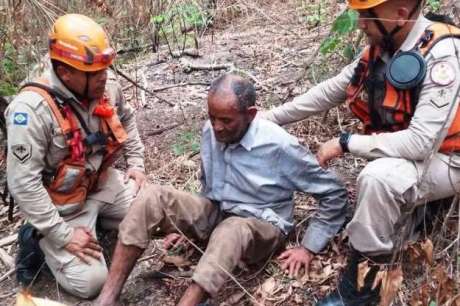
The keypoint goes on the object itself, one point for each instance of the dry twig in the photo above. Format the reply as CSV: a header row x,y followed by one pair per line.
x,y
166,87
163,129
7,274
6,259
141,87
8,240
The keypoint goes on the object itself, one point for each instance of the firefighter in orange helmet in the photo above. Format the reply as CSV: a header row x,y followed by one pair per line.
x,y
404,89
65,129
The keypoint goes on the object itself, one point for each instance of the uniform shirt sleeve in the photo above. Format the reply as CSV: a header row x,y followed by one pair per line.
x,y
320,98
28,139
432,111
133,148
301,169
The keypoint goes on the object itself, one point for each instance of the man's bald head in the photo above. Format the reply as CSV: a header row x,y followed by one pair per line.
x,y
239,88
231,107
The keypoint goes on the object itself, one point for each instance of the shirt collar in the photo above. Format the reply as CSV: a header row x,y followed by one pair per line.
x,y
414,35
248,139
412,38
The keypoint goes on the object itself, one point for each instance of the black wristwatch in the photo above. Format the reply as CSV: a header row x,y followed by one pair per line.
x,y
343,141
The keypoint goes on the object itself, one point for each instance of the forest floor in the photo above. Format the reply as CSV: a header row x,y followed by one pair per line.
x,y
270,43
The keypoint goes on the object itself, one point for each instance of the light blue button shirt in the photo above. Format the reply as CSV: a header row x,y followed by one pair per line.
x,y
258,176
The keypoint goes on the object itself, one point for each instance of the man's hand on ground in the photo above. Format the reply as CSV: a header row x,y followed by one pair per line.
x,y
294,259
84,245
138,176
329,150
172,241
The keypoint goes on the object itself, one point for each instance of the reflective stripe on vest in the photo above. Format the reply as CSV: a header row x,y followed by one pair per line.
x,y
398,104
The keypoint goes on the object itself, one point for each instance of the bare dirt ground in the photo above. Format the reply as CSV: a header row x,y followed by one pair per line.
x,y
269,43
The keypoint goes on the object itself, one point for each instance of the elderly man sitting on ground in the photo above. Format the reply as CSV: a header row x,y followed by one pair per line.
x,y
250,170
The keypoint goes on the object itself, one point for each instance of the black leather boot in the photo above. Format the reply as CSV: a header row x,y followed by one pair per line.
x,y
347,293
30,258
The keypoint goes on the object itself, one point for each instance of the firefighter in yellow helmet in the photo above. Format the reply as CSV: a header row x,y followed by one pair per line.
x,y
65,129
403,87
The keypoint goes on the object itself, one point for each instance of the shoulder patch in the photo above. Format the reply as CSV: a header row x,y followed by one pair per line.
x,y
20,118
442,73
22,152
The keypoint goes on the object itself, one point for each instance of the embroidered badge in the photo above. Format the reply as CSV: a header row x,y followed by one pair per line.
x,y
20,118
442,73
22,152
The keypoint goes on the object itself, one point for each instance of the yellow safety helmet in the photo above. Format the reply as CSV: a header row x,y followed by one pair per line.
x,y
364,4
81,43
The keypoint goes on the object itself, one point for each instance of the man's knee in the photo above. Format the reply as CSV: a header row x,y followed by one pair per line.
x,y
391,173
236,227
374,173
146,212
83,280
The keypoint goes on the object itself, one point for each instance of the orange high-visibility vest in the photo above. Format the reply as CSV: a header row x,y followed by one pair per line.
x,y
399,105
72,181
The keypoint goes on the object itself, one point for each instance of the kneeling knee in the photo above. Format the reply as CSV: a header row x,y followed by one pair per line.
x,y
89,283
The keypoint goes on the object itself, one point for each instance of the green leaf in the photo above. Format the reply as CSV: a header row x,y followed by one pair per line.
x,y
329,45
434,5
186,141
178,149
158,19
346,22
432,303
7,89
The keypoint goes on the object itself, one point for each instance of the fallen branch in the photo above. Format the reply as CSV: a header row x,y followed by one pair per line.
x,y
180,85
127,78
8,240
7,260
136,49
163,129
144,83
189,66
145,258
4,296
127,87
7,274
194,53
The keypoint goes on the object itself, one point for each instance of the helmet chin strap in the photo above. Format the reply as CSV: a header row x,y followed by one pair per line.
x,y
86,95
388,42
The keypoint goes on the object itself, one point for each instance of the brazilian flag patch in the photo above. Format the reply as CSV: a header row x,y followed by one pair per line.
x,y
20,118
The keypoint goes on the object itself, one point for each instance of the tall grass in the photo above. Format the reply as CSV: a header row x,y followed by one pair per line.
x,y
132,25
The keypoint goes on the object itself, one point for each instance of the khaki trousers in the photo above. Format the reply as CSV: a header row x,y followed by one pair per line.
x,y
233,241
110,204
384,186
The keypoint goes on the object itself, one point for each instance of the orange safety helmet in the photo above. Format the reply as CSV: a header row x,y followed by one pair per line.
x,y
81,43
364,4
